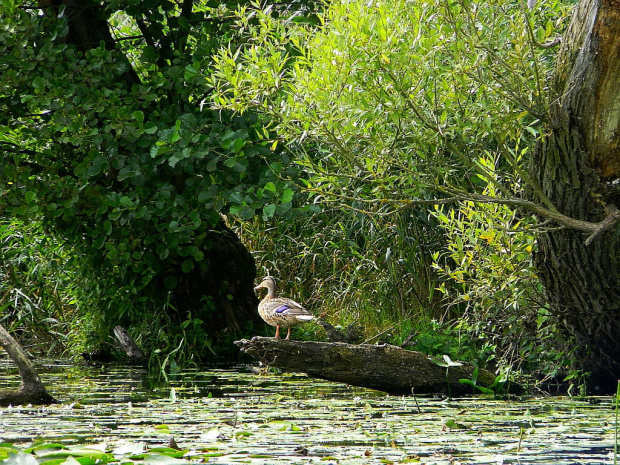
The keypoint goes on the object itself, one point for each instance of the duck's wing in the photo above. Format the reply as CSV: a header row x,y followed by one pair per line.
x,y
287,308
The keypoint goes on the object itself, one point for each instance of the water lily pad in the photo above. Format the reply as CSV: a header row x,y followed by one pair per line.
x,y
21,458
159,459
129,448
269,419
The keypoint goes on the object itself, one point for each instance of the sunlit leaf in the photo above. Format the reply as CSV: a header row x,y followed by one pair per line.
x,y
159,459
130,448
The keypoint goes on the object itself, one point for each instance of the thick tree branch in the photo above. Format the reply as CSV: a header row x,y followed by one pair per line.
x,y
456,195
563,220
613,217
148,37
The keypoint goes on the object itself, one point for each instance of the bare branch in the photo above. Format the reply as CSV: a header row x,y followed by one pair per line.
x,y
456,195
613,216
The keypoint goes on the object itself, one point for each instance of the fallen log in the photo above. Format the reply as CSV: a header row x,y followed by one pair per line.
x,y
31,390
382,367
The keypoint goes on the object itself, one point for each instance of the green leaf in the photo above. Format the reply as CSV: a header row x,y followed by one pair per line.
x,y
276,167
138,116
246,213
170,282
468,382
163,251
30,196
99,242
150,128
238,145
287,195
269,211
485,390
187,265
452,424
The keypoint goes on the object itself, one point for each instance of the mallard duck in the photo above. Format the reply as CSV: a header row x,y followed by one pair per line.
x,y
280,311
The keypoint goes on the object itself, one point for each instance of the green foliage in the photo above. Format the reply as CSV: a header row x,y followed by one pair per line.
x,y
38,300
118,150
394,104
489,275
44,299
112,148
497,387
387,102
352,269
489,257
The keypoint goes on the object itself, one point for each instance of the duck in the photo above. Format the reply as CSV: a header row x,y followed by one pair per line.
x,y
280,311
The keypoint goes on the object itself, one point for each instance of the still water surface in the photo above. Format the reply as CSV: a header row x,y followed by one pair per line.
x,y
234,416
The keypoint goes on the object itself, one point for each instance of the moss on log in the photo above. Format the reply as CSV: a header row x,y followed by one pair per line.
x,y
383,367
23,397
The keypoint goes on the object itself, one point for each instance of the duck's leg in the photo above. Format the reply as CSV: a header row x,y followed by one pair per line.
x,y
288,334
277,331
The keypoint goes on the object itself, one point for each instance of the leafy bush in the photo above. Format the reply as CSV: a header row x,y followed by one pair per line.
x,y
109,146
490,278
394,106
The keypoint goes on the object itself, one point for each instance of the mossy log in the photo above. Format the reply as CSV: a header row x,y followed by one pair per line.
x,y
382,367
128,345
31,389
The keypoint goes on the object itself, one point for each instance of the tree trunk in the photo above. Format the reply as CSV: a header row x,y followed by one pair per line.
x,y
88,27
578,167
383,367
31,389
227,278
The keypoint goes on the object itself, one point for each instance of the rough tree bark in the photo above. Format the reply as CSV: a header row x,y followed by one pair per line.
x,y
578,167
383,367
31,389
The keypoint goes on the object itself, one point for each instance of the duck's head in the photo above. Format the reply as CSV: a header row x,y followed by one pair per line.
x,y
269,283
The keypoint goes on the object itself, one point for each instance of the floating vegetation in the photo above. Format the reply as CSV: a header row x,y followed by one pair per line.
x,y
115,415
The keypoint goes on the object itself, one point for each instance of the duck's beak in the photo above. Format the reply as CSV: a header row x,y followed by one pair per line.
x,y
258,287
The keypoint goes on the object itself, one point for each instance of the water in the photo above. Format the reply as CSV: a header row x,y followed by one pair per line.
x,y
234,416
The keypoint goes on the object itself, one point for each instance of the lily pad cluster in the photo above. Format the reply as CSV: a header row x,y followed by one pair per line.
x,y
222,416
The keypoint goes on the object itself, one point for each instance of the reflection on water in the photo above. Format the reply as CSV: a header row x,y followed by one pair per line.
x,y
229,416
